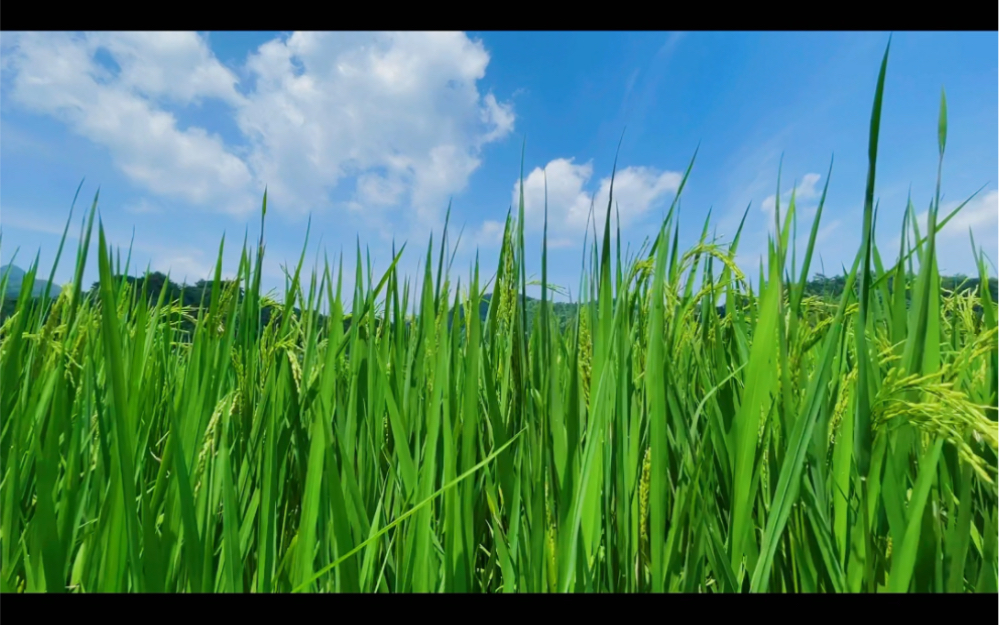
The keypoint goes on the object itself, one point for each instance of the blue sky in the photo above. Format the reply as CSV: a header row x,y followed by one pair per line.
x,y
373,134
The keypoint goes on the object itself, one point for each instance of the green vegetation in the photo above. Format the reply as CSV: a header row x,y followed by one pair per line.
x,y
792,443
193,298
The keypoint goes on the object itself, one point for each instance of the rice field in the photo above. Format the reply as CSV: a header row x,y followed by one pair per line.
x,y
654,443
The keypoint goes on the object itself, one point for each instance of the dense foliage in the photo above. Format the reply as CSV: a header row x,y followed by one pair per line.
x,y
653,442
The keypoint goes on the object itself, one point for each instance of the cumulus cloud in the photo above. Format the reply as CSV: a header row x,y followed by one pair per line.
x,y
57,74
636,191
177,67
399,116
404,105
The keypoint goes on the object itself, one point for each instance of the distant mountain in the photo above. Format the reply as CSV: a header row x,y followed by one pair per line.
x,y
16,279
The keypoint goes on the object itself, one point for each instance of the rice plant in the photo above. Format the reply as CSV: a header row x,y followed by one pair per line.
x,y
654,443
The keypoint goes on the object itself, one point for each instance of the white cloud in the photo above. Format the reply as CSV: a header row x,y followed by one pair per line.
x,y
402,105
490,234
804,193
568,202
379,190
143,207
400,114
825,231
183,267
25,220
175,66
57,74
981,217
499,116
178,259
636,191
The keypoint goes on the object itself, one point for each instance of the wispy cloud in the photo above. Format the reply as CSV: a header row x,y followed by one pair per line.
x,y
180,259
804,193
144,206
643,83
749,173
980,218
30,222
